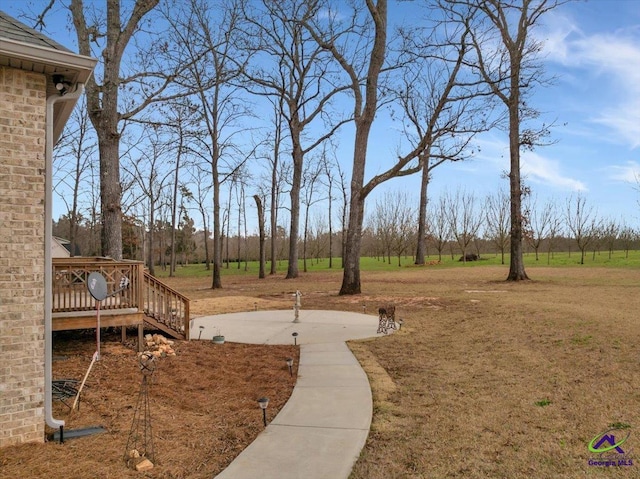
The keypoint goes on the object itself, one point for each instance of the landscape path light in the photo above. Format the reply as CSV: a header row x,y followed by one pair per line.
x,y
264,402
201,328
290,364
295,338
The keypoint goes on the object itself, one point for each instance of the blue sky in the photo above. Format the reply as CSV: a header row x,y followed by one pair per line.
x,y
592,48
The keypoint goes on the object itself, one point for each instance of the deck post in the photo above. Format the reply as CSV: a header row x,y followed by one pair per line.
x,y
140,337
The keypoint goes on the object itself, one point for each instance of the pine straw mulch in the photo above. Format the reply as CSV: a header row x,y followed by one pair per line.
x,y
203,405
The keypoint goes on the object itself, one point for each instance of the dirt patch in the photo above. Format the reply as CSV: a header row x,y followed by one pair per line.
x,y
234,304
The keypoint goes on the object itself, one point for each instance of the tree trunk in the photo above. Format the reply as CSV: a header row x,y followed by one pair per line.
x,y
274,212
353,242
351,274
422,216
217,241
330,222
239,245
207,259
306,232
364,120
516,262
292,270
261,273
110,194
151,265
275,189
174,219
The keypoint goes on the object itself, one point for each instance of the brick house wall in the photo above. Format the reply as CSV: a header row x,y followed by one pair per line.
x,y
22,242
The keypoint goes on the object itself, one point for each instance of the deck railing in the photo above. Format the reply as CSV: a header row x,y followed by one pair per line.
x,y
144,292
166,305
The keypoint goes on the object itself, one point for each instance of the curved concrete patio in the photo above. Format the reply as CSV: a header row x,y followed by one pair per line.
x,y
321,430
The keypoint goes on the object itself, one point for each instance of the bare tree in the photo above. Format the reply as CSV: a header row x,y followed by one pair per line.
x,y
328,173
344,211
555,227
440,229
610,233
383,223
213,47
627,236
301,76
540,221
582,222
393,224
74,156
369,59
150,173
276,177
258,200
201,197
319,237
364,66
310,186
405,227
179,114
498,221
464,220
442,104
145,79
506,59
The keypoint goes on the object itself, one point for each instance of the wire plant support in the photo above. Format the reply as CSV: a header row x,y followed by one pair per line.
x,y
140,441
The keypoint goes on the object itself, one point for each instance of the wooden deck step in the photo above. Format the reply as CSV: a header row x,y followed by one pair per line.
x,y
165,329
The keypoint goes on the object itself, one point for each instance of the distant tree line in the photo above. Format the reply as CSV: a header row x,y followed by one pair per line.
x,y
460,224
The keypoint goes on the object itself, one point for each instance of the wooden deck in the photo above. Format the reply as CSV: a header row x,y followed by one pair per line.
x,y
145,300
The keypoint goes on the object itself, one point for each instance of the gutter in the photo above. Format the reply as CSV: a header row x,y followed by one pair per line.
x,y
48,262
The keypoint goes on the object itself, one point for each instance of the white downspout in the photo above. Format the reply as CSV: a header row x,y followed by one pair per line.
x,y
48,263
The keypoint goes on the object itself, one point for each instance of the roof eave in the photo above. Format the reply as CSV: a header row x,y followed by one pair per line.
x,y
83,66
75,69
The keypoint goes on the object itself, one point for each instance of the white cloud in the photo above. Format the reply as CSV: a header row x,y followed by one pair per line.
x,y
328,14
629,173
534,167
537,168
555,38
610,60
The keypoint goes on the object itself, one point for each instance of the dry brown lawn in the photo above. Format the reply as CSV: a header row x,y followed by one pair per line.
x,y
486,379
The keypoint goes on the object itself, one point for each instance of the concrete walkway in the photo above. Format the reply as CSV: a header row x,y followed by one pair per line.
x,y
321,430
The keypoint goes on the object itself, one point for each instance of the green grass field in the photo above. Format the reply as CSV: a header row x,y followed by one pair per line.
x,y
619,259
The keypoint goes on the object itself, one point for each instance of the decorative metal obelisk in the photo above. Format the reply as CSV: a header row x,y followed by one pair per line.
x,y
140,442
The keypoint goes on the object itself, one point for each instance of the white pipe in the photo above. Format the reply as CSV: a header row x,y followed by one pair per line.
x,y
48,263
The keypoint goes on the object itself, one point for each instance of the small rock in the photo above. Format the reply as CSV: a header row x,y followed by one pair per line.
x,y
144,465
